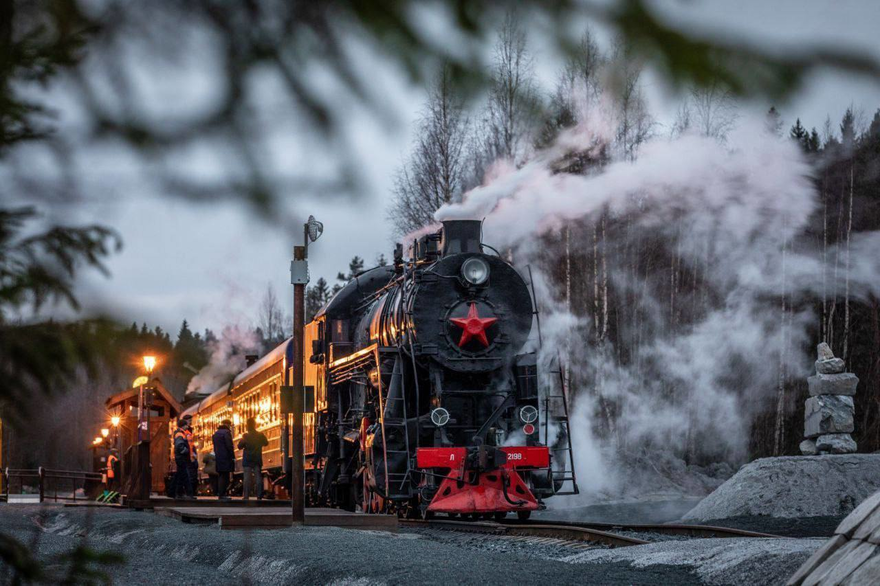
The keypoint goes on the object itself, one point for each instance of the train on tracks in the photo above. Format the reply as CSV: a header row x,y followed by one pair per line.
x,y
424,394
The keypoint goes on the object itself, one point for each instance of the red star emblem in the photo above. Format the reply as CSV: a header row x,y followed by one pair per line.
x,y
473,326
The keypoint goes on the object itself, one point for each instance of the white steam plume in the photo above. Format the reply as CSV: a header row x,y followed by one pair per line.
x,y
228,358
725,212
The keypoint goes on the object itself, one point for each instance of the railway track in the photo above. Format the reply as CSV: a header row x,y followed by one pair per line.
x,y
607,534
701,531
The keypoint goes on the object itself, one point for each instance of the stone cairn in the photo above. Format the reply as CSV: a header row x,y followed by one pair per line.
x,y
829,412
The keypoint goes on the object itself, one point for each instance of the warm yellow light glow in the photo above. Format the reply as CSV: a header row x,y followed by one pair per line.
x,y
149,363
235,419
115,420
105,432
140,381
97,441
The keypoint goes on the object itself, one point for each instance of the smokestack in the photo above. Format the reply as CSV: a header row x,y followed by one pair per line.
x,y
461,236
251,358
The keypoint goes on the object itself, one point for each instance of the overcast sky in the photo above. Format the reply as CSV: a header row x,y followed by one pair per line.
x,y
210,263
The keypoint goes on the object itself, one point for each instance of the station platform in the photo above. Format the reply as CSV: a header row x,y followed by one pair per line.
x,y
232,516
156,501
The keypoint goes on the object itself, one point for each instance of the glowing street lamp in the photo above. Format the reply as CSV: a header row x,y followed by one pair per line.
x,y
144,419
115,420
105,432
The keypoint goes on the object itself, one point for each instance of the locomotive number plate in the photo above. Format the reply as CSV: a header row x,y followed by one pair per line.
x,y
517,457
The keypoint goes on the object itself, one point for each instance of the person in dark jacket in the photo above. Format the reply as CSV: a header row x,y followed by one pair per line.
x,y
194,463
224,457
252,444
183,457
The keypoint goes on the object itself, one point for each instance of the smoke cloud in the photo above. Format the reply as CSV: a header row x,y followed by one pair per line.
x,y
228,358
733,216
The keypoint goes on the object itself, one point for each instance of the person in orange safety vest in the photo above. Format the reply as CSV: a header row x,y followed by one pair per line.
x,y
112,470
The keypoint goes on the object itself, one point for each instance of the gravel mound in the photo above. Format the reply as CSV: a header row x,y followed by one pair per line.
x,y
793,487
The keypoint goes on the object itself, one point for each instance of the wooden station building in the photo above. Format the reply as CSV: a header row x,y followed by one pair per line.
x,y
163,411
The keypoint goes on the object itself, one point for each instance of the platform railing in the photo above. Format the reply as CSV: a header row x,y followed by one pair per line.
x,y
64,485
52,485
22,477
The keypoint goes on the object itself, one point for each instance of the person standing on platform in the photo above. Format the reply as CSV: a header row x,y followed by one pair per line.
x,y
209,467
252,444
182,459
194,462
224,458
112,471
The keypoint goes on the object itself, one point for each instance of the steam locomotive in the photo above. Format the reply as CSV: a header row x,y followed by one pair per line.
x,y
422,399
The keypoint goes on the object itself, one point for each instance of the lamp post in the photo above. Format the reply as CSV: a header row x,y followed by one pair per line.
x,y
144,420
115,420
143,453
299,277
96,462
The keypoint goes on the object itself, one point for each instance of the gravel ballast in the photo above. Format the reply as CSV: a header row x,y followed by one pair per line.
x,y
162,550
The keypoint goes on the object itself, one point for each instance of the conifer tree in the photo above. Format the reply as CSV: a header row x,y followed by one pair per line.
x,y
316,296
848,130
814,143
185,335
800,134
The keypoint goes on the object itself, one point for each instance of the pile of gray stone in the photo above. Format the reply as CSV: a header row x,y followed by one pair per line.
x,y
829,412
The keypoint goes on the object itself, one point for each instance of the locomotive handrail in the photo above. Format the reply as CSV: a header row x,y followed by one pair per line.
x,y
382,420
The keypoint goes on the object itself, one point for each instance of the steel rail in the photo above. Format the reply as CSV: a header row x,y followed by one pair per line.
x,y
607,534
567,532
702,531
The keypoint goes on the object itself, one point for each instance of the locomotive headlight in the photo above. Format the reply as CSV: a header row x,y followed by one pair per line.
x,y
528,414
440,416
475,271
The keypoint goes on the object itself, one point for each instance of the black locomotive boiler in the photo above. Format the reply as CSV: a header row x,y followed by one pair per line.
x,y
425,400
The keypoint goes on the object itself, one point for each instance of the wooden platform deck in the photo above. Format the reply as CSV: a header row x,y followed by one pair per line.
x,y
232,516
204,502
